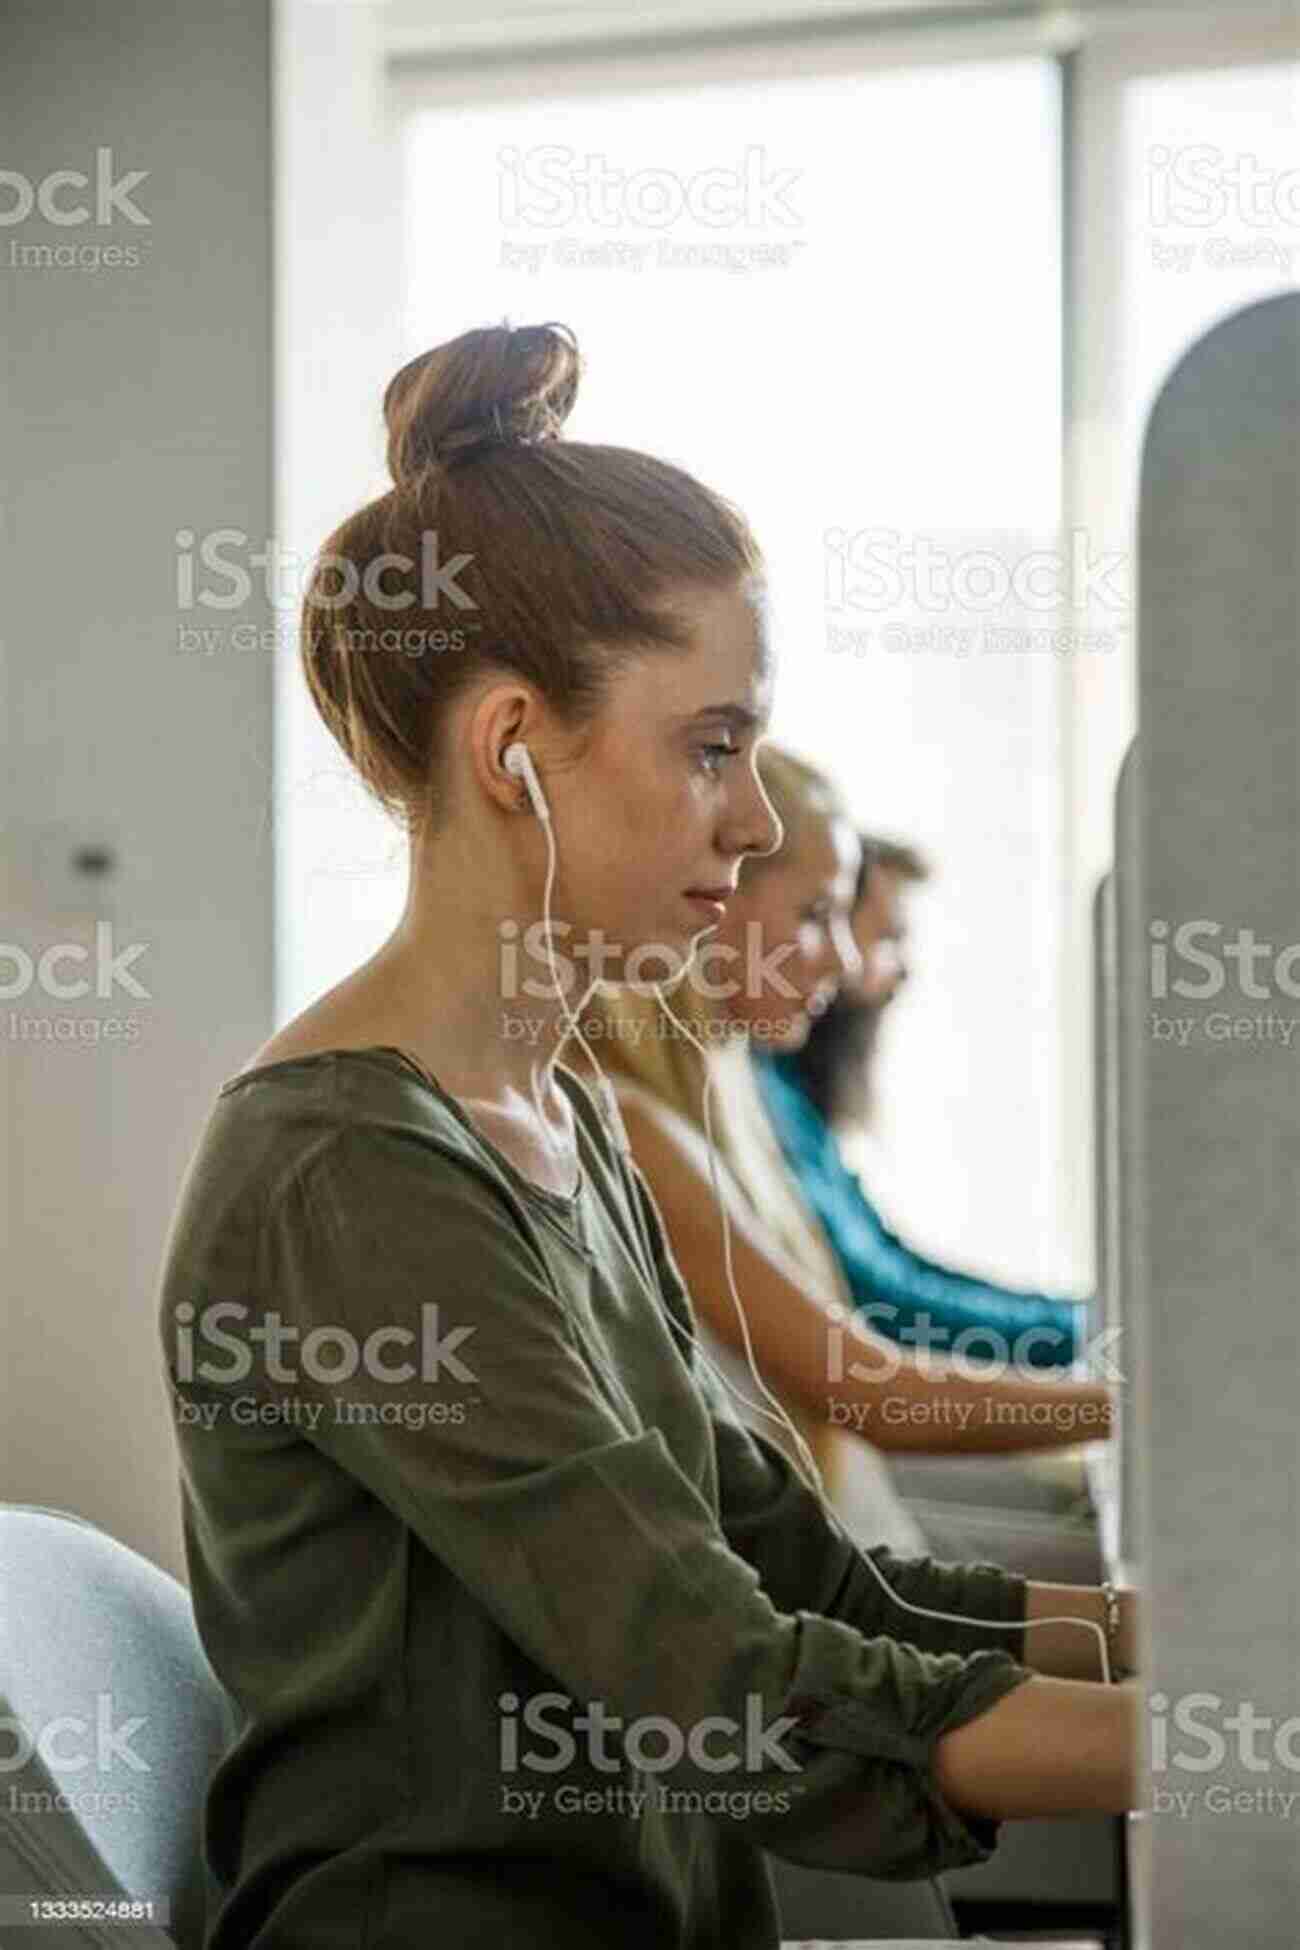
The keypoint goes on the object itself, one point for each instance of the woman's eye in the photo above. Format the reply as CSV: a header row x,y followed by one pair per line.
x,y
712,755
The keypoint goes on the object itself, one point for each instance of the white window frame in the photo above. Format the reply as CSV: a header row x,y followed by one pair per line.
x,y
1100,706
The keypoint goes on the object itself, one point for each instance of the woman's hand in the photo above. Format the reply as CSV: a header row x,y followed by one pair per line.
x,y
1063,1648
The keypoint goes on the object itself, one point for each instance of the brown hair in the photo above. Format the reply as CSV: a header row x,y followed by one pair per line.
x,y
554,559
896,856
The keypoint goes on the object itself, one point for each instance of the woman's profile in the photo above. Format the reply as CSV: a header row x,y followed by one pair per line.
x,y
754,997
821,1091
527,1632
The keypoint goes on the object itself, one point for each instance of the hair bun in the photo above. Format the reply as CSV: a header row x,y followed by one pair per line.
x,y
501,383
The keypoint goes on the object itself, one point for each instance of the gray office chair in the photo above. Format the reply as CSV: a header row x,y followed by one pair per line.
x,y
108,1706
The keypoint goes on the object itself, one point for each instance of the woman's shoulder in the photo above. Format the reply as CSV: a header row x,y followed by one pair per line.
x,y
324,1026
322,1141
297,1107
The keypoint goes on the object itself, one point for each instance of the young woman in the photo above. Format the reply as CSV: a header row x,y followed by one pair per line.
x,y
528,1633
787,936
814,1092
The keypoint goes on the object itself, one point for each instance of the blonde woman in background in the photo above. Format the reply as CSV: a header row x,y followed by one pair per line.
x,y
794,907
820,1100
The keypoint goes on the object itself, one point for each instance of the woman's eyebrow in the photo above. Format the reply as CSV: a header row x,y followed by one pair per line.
x,y
738,716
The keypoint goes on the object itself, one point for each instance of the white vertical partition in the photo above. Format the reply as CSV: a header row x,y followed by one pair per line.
x,y
1128,1307
1209,1120
1105,1311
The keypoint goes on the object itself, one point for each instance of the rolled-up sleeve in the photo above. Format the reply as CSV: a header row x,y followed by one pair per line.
x,y
537,1486
804,1563
947,1670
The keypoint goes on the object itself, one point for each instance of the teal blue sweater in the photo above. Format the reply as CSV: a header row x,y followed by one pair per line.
x,y
902,1294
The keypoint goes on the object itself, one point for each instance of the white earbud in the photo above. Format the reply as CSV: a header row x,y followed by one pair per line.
x,y
518,761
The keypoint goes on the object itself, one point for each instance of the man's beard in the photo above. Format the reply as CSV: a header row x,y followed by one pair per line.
x,y
837,1061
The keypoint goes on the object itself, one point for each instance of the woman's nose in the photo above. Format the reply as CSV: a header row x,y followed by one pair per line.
x,y
756,826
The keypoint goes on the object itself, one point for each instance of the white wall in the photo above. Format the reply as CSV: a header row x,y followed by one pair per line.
x,y
339,292
137,400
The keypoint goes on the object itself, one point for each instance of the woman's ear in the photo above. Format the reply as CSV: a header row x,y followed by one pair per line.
x,y
498,722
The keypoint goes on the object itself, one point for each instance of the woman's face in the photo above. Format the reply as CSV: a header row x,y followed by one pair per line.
x,y
790,929
664,798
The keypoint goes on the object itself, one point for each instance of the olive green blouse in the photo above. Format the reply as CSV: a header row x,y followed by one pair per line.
x,y
526,1629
